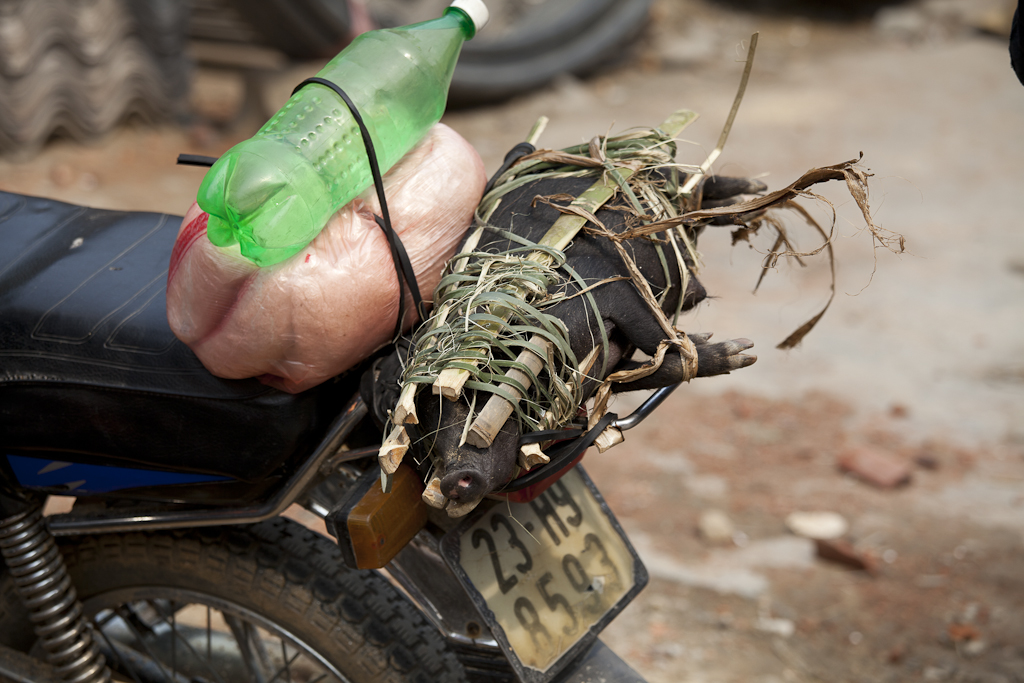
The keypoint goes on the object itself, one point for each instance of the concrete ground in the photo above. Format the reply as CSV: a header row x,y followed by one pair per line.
x,y
920,358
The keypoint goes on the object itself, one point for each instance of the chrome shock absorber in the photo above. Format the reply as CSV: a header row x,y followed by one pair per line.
x,y
42,582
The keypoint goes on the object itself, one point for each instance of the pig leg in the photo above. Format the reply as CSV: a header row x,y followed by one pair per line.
x,y
712,359
724,190
632,317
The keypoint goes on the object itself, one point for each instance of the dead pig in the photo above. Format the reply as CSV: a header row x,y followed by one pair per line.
x,y
467,472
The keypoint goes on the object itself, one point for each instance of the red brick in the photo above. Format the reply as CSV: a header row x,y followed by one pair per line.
x,y
875,467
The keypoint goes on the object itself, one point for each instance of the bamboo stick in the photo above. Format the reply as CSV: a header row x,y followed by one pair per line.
x,y
691,183
405,411
393,450
608,438
677,122
451,381
432,495
457,509
489,420
531,455
537,130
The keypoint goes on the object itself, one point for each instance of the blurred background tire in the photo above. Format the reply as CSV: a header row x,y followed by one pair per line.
x,y
546,40
526,44
79,68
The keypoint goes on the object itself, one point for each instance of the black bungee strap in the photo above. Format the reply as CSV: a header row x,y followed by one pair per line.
x,y
511,157
196,160
562,457
399,255
403,266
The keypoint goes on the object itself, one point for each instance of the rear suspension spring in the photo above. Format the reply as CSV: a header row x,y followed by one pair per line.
x,y
43,584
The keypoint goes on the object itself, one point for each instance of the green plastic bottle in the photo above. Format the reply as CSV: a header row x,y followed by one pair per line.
x,y
273,193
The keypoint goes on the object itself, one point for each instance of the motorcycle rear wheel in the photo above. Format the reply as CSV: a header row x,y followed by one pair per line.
x,y
267,602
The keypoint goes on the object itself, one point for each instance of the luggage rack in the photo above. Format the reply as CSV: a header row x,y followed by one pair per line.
x,y
582,438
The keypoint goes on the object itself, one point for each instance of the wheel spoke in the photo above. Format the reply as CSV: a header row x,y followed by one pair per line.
x,y
286,669
209,634
134,634
208,660
258,645
112,651
241,631
148,664
174,639
131,619
139,665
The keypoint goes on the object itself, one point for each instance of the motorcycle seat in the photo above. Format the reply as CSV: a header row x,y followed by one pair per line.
x,y
90,371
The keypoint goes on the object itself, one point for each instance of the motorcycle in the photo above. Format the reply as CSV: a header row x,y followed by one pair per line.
x,y
176,564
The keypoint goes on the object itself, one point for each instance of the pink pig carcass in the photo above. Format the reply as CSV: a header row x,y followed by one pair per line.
x,y
306,319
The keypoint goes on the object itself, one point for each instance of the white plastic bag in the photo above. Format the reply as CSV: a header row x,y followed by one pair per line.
x,y
318,313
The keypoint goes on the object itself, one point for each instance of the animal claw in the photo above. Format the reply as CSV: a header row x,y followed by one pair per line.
x,y
724,357
741,361
735,346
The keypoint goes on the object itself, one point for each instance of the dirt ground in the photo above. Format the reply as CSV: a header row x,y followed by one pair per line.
x,y
919,358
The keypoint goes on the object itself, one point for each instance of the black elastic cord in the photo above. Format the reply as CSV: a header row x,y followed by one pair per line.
x,y
513,155
196,160
403,267
399,256
561,458
551,435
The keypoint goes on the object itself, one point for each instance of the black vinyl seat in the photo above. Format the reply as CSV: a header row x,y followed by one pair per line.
x,y
90,371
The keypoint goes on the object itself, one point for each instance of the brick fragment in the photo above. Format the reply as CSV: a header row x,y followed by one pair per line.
x,y
841,552
875,467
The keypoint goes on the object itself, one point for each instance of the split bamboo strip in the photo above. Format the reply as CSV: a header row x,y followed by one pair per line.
x,y
432,495
494,413
450,381
393,450
610,437
405,411
531,455
691,183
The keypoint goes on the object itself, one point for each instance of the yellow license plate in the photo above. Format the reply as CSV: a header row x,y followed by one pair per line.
x,y
549,574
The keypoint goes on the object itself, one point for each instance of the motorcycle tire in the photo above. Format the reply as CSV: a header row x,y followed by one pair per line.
x,y
526,45
562,37
264,602
303,29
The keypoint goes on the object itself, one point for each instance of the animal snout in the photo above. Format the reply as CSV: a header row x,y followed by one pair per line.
x,y
463,485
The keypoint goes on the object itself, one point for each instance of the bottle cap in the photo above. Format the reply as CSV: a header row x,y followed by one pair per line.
x,y
476,10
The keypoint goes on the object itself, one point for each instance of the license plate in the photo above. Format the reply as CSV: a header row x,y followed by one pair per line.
x,y
547,575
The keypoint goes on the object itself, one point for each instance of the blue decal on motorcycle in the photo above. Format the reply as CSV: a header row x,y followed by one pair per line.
x,y
80,478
